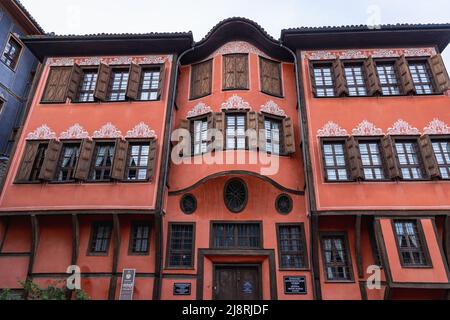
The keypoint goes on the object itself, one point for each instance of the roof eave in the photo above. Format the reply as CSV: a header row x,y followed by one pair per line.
x,y
340,38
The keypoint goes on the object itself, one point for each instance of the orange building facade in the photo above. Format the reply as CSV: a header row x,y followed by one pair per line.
x,y
239,167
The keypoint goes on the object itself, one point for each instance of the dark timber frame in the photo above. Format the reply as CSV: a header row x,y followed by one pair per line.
x,y
202,253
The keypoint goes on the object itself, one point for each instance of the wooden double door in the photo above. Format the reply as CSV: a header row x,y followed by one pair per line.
x,y
237,282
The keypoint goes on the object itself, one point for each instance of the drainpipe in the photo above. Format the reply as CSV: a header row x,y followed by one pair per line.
x,y
160,214
311,206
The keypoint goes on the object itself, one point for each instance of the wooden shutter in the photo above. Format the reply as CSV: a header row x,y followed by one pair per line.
x,y
57,85
51,159
29,155
252,124
101,88
429,159
186,125
201,79
206,78
354,159
276,78
83,165
134,81
265,75
312,78
75,80
439,72
162,75
374,87
270,77
152,159
340,82
242,71
229,69
406,80
219,125
387,144
288,136
120,160
261,133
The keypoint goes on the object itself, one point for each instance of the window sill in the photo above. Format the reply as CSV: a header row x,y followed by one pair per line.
x,y
235,89
293,269
199,97
340,281
94,254
273,94
179,268
417,267
381,96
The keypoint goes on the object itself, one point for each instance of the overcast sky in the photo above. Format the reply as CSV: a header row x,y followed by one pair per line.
x,y
199,16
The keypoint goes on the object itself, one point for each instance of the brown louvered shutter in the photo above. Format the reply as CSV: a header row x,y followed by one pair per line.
x,y
276,79
242,71
354,159
429,159
206,78
219,125
201,79
50,164
312,78
29,155
252,124
266,77
195,81
210,123
270,77
162,75
120,160
83,165
288,136
261,133
101,88
75,79
387,144
186,125
373,85
152,159
134,81
57,85
340,82
439,72
406,80
229,68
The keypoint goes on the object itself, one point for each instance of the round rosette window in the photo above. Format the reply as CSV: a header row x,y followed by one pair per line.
x,y
188,204
283,204
236,195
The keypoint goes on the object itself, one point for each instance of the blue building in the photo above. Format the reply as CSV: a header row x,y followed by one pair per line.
x,y
17,69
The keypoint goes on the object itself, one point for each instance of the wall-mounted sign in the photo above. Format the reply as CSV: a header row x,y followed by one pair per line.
x,y
127,287
295,285
182,289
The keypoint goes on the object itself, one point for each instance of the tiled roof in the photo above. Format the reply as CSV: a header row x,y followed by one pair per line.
x,y
362,27
234,19
29,16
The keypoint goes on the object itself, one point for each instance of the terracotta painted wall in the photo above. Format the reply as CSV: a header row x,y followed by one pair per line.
x,y
91,116
291,173
260,207
434,274
383,112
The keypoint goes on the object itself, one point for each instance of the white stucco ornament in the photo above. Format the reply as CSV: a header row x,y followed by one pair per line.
x,y
42,133
108,131
332,129
141,130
